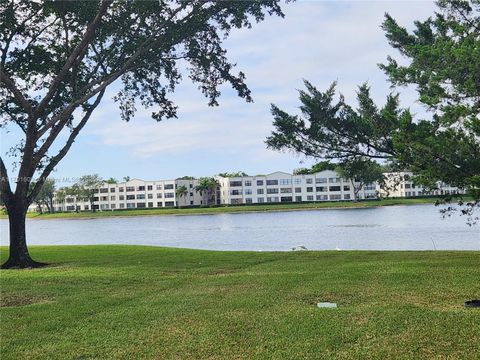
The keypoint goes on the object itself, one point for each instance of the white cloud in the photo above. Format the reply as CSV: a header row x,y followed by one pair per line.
x,y
318,41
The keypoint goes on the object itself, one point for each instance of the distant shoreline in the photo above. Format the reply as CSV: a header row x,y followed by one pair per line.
x,y
330,205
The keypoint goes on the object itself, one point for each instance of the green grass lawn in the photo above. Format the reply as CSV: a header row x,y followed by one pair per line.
x,y
234,208
133,302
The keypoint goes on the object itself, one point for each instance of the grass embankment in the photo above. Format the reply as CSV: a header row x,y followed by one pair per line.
x,y
233,209
132,302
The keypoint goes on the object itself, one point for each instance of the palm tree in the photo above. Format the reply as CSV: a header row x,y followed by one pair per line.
x,y
207,187
180,192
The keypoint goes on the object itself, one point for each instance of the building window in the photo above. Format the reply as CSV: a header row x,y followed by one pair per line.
x,y
285,181
298,198
309,189
310,198
346,197
141,188
286,199
169,186
369,187
346,188
141,205
235,183
272,182
235,201
309,181
130,188
130,197
121,197
248,200
169,196
272,191
150,187
272,199
112,206
335,197
103,190
150,204
169,203
260,191
286,190
248,183
122,206
335,188
259,182
120,189
321,188
235,192
248,191
298,190
131,206
159,187
159,195
334,180
321,180
159,204
140,196
297,181
112,198
150,196
112,189
103,198
260,200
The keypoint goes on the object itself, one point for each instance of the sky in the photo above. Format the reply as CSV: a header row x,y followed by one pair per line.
x,y
320,41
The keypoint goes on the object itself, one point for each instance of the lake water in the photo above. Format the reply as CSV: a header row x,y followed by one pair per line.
x,y
416,227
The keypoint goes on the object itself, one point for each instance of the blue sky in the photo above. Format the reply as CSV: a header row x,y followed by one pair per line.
x,y
319,41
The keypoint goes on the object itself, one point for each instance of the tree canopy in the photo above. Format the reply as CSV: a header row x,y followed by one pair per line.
x,y
58,58
443,62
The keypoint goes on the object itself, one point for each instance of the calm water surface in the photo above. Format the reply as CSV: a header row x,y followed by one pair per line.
x,y
418,227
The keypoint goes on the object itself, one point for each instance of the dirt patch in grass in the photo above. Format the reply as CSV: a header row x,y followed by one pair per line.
x,y
23,300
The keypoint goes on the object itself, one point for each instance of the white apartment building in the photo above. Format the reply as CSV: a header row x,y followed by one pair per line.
x,y
136,194
280,187
400,184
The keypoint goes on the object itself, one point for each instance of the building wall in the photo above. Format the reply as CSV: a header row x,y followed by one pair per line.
x,y
401,184
284,187
136,194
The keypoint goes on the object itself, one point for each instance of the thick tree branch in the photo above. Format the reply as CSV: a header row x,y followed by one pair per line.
x,y
10,85
74,57
60,155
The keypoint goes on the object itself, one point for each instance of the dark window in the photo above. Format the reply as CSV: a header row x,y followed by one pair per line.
x,y
130,188
298,198
335,188
259,182
260,191
150,187
286,199
169,186
104,190
169,203
140,205
130,197
272,182
321,188
112,189
272,191
141,188
309,189
236,183
346,188
298,190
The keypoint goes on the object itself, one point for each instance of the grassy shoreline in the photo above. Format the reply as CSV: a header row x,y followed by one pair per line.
x,y
124,302
233,209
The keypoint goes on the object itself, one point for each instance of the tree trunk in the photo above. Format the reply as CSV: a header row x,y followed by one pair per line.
x,y
19,258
